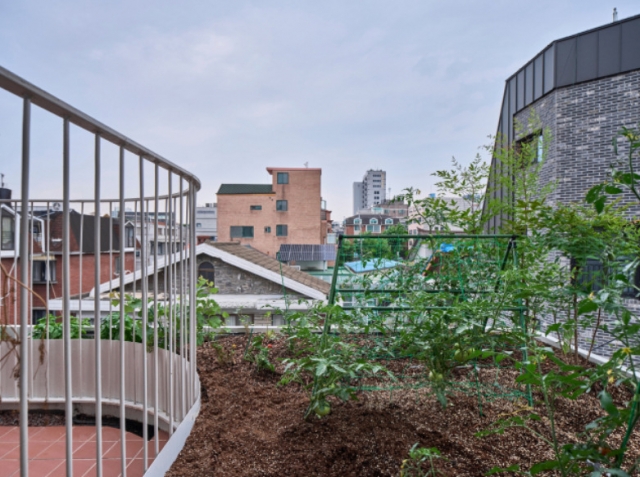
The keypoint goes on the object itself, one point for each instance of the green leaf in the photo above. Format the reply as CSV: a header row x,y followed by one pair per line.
x,y
498,470
607,404
542,466
599,204
321,368
587,306
594,193
611,189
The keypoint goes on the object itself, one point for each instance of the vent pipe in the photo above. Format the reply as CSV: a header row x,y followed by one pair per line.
x,y
615,14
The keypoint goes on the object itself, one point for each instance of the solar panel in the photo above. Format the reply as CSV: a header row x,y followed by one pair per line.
x,y
306,252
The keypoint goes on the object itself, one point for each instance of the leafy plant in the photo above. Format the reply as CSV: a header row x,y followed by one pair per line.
x,y
51,327
258,353
419,458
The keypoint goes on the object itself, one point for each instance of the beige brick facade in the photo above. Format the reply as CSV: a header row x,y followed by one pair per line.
x,y
302,217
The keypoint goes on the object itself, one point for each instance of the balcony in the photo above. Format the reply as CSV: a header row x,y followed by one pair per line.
x,y
91,397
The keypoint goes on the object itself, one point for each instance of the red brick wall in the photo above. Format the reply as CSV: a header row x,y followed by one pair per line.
x,y
10,291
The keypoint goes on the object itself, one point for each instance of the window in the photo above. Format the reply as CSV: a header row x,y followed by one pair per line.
x,y
357,221
283,178
356,228
241,231
255,207
532,148
267,230
39,313
373,228
373,221
206,270
7,231
41,268
239,320
388,221
129,236
592,276
198,224
282,205
281,231
278,320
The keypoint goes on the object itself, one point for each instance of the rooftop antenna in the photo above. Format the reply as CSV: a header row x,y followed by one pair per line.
x,y
615,14
1,180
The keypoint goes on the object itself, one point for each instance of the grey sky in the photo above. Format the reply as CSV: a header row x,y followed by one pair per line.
x,y
226,89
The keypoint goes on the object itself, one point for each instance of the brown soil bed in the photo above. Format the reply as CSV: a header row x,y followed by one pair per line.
x,y
249,426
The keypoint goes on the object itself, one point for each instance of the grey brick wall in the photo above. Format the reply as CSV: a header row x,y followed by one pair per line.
x,y
583,119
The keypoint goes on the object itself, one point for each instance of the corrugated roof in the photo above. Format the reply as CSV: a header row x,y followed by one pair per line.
x,y
254,256
304,252
245,189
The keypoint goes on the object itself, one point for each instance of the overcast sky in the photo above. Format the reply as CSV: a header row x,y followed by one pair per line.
x,y
227,88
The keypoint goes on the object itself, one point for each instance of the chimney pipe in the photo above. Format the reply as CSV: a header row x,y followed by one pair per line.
x,y
615,14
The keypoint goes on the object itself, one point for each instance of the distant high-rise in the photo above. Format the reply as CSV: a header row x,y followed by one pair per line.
x,y
371,191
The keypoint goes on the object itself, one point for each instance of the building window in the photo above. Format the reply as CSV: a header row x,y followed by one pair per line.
x,y
373,228
129,236
239,320
267,230
160,248
255,207
278,320
532,148
38,314
282,205
42,268
241,231
357,221
388,221
7,231
198,224
281,231
356,228
283,178
373,221
206,270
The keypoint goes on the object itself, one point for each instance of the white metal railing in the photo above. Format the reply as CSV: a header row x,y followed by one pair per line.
x,y
66,248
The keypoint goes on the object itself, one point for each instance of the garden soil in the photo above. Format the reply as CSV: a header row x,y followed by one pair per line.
x,y
249,426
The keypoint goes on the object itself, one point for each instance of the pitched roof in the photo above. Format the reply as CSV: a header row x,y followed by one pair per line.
x,y
245,189
82,226
265,261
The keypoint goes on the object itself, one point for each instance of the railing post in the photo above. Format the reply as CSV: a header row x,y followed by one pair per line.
x,y
66,296
97,316
24,296
123,417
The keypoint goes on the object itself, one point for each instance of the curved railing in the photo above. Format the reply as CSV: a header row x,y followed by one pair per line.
x,y
68,263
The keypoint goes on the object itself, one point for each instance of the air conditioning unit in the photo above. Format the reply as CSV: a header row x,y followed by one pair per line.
x,y
295,267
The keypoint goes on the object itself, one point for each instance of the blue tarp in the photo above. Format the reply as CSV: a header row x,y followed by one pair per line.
x,y
446,247
370,265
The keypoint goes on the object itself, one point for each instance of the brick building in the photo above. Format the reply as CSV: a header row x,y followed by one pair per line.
x,y
374,224
46,277
582,89
289,210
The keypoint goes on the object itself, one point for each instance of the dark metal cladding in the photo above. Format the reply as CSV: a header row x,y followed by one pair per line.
x,y
591,55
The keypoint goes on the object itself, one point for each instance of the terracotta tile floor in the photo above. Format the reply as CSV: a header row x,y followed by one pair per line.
x,y
47,447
